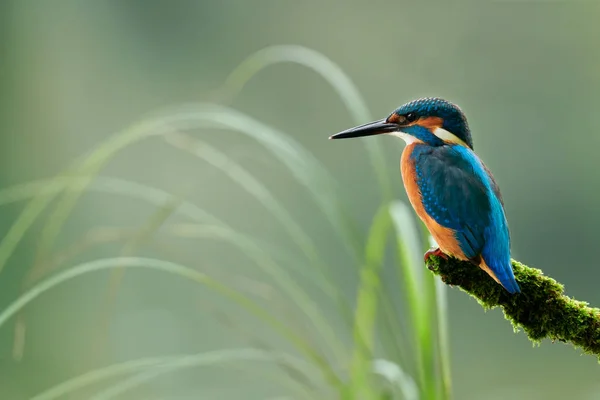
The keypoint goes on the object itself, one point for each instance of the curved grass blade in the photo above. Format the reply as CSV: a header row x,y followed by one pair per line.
x,y
243,242
305,168
205,359
252,185
262,194
366,307
397,377
168,364
304,56
156,197
151,195
199,231
184,272
262,259
332,73
105,184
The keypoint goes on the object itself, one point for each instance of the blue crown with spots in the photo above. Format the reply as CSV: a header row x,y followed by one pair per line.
x,y
454,120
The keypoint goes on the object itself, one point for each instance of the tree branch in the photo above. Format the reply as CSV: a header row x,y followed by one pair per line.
x,y
541,309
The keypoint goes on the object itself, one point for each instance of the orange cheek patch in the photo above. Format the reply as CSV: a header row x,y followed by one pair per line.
x,y
431,123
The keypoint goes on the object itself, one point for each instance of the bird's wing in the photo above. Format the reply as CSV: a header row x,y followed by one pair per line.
x,y
493,183
456,194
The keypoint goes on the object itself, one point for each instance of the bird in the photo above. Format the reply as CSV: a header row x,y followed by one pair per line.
x,y
451,190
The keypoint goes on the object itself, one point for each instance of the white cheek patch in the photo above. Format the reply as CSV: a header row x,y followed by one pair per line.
x,y
406,137
448,136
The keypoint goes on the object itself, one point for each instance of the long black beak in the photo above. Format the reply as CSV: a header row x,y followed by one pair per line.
x,y
372,128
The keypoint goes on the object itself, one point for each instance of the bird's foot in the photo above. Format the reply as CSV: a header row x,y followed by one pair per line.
x,y
435,252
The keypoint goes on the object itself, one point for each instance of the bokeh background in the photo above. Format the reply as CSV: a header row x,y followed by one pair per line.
x,y
73,74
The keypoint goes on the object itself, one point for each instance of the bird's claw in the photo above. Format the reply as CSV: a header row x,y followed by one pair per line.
x,y
434,252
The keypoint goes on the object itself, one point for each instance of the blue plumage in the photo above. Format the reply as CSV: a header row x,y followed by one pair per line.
x,y
459,193
423,134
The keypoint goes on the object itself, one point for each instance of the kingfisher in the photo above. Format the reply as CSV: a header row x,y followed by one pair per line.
x,y
449,187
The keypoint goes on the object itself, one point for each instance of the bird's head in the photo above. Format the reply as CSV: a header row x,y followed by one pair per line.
x,y
432,121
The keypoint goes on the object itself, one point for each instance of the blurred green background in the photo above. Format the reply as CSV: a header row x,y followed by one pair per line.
x,y
73,73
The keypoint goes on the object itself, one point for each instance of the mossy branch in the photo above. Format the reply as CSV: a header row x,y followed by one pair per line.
x,y
542,309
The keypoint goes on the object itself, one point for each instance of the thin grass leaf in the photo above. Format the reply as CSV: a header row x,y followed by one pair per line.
x,y
392,333
218,229
194,361
332,73
253,186
301,299
104,184
366,307
393,336
51,187
415,283
185,272
199,231
167,364
262,194
302,164
322,65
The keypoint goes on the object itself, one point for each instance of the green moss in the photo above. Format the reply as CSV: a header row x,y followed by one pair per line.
x,y
541,310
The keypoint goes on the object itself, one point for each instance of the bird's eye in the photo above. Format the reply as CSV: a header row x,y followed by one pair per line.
x,y
411,117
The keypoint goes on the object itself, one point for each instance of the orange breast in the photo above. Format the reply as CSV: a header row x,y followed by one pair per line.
x,y
444,237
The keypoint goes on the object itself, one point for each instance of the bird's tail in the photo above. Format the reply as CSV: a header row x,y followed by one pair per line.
x,y
503,274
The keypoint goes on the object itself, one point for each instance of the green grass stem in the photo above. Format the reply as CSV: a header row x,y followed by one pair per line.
x,y
415,284
366,307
